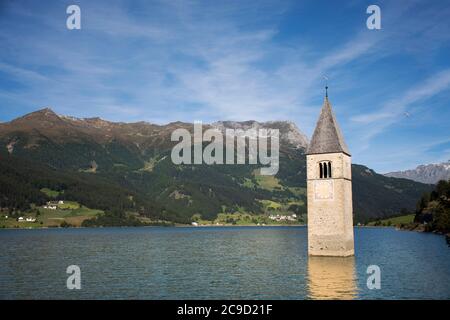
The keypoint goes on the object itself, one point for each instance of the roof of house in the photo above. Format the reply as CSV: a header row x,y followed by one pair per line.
x,y
327,137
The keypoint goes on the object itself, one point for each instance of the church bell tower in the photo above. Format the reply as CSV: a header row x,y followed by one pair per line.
x,y
329,183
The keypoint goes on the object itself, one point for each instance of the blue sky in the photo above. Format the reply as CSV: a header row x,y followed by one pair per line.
x,y
163,61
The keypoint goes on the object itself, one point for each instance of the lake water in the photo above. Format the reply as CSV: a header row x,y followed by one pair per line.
x,y
218,263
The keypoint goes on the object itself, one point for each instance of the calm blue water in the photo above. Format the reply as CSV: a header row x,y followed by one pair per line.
x,y
218,263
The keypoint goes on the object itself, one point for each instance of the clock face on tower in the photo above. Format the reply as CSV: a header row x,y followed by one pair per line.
x,y
323,190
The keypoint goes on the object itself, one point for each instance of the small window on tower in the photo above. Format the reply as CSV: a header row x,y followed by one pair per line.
x,y
325,169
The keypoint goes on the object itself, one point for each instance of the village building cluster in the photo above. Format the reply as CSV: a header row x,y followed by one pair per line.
x,y
279,217
53,205
27,219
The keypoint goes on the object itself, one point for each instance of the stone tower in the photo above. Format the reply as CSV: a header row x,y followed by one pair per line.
x,y
329,182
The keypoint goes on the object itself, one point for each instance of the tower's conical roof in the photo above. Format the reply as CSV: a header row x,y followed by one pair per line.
x,y
327,137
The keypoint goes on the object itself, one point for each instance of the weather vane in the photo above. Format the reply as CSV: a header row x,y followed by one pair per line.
x,y
326,86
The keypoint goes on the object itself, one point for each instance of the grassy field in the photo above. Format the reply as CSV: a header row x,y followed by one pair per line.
x,y
271,205
51,193
70,212
69,205
395,221
297,191
267,182
248,183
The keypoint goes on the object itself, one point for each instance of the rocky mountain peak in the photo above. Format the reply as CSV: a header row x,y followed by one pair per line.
x,y
46,112
289,132
61,128
45,115
429,173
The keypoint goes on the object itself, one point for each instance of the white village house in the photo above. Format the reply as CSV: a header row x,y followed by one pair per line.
x,y
27,219
53,205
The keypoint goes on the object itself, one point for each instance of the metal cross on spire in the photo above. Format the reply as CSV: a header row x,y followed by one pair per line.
x,y
326,86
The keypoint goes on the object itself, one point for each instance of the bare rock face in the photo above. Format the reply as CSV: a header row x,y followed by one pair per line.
x,y
430,173
289,133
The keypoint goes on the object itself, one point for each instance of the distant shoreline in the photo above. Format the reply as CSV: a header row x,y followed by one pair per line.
x,y
158,226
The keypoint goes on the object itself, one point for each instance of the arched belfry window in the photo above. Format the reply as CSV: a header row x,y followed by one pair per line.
x,y
325,169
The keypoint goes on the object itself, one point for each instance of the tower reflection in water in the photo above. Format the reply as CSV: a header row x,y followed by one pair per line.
x,y
332,278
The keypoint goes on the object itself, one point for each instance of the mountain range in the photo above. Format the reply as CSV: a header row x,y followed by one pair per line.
x,y
429,173
127,166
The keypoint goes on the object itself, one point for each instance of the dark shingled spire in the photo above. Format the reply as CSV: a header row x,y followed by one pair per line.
x,y
327,137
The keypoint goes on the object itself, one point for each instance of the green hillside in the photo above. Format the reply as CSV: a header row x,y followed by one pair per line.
x,y
394,221
117,168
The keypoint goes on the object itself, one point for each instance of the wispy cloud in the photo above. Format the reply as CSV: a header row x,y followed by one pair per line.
x,y
185,60
394,110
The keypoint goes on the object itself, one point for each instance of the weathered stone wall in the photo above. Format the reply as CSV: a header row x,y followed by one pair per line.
x,y
330,212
